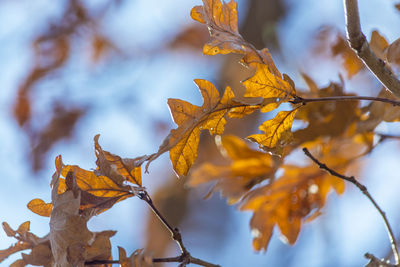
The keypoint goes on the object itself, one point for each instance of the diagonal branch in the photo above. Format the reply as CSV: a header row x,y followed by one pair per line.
x,y
185,257
364,190
359,43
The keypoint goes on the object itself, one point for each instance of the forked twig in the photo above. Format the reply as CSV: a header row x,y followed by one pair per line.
x,y
364,190
359,43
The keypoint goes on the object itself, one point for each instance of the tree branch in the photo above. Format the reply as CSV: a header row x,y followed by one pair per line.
x,y
298,100
185,257
359,43
364,190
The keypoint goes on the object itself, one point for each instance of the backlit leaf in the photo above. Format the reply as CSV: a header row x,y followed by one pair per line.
x,y
267,84
116,168
248,168
276,131
287,202
40,207
183,141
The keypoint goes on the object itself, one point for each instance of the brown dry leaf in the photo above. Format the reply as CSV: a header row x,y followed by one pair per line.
x,y
248,168
378,112
27,240
137,259
60,127
277,132
268,85
351,62
40,207
327,119
98,193
378,44
393,52
116,168
100,47
287,202
72,243
182,143
193,37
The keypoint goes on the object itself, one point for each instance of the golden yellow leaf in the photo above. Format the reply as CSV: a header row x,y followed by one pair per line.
x,y
100,186
221,19
40,207
276,131
182,143
267,84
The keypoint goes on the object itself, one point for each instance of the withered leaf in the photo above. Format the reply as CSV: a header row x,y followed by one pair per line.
x,y
182,143
326,119
26,240
137,259
248,168
116,168
276,132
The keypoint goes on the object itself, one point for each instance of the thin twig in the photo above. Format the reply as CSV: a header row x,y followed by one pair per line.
x,y
359,43
185,257
374,261
298,100
364,190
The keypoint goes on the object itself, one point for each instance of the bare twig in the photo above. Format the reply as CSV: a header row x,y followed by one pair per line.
x,y
375,262
364,190
359,43
185,257
298,100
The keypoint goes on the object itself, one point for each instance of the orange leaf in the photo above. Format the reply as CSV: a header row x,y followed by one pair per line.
x,y
276,132
221,20
249,167
183,141
288,201
40,207
116,168
268,84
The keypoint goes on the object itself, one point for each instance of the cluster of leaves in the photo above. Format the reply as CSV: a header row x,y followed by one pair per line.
x,y
277,192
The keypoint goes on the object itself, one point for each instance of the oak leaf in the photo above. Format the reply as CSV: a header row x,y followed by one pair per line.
x,y
268,84
326,119
287,202
248,168
222,22
40,247
276,132
137,259
182,142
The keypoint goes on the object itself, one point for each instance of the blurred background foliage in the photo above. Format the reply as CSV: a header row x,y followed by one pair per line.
x,y
75,68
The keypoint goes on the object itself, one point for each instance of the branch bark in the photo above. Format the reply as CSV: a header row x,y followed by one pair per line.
x,y
359,43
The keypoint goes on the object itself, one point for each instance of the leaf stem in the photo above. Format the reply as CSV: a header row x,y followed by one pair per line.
x,y
298,100
364,190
